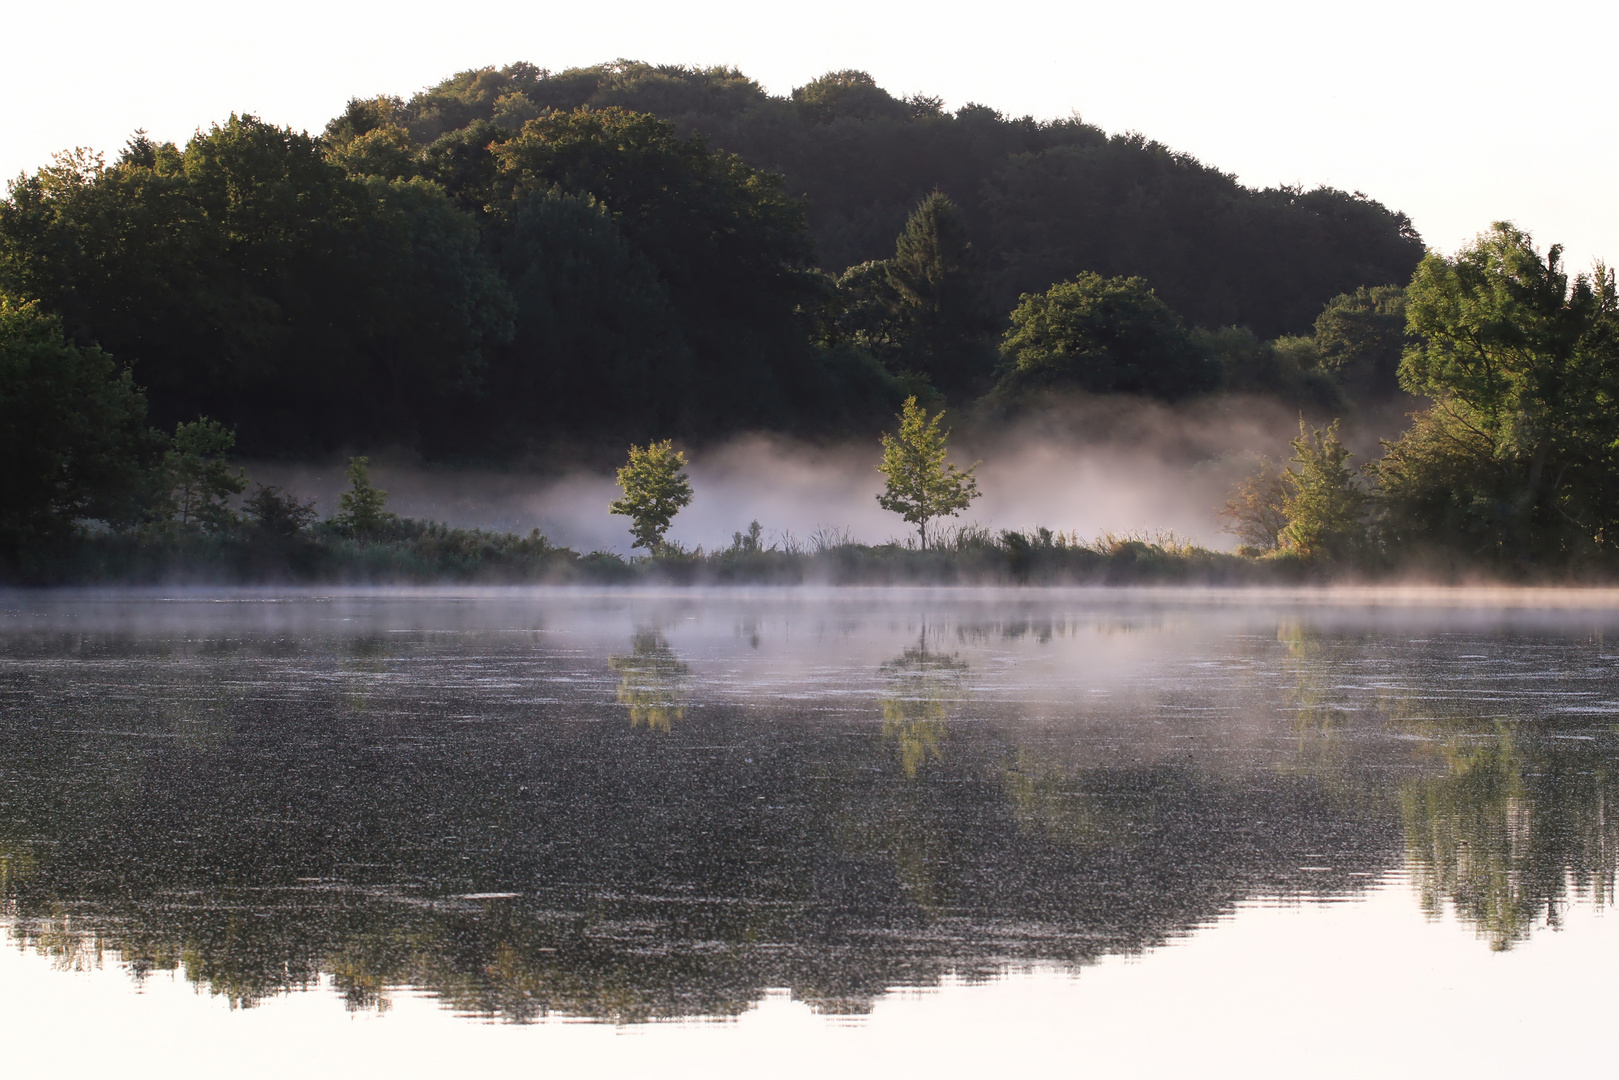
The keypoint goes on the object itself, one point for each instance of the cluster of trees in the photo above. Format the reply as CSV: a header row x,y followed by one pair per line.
x,y
514,259
75,436
1514,463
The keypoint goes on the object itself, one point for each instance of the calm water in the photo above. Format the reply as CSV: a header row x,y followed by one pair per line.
x,y
865,831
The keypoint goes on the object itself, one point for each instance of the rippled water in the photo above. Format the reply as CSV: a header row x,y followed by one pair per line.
x,y
526,806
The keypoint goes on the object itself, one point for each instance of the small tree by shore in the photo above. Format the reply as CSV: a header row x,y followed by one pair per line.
x,y
362,510
199,479
921,486
656,488
1314,508
1325,507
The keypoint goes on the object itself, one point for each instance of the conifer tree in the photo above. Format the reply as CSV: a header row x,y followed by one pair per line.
x,y
934,279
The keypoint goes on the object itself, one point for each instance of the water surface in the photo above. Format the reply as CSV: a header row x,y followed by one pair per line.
x,y
528,806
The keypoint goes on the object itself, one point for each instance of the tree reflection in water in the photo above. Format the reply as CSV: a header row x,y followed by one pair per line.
x,y
920,688
650,682
1515,824
1507,818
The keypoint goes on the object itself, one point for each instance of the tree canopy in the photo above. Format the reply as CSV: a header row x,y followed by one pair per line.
x,y
1518,458
72,432
920,485
518,259
656,487
1103,335
1045,200
247,277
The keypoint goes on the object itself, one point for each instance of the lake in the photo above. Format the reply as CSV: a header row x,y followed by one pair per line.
x,y
887,831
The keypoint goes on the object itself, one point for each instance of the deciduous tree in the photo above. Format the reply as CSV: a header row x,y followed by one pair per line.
x,y
198,476
363,509
1107,336
73,440
1325,507
656,488
921,486
1518,458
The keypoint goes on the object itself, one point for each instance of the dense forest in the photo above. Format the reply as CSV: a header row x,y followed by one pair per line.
x,y
516,259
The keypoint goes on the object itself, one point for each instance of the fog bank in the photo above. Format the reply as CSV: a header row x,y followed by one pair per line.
x,y
1098,465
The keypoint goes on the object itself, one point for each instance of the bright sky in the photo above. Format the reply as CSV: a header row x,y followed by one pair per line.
x,y
1458,113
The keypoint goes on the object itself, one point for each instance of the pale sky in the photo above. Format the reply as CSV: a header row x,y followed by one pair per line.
x,y
1457,113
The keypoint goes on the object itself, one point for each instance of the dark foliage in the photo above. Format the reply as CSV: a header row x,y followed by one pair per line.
x,y
1045,200
249,278
1104,336
72,435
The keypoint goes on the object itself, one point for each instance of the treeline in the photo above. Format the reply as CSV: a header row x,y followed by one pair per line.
x,y
516,260
1045,200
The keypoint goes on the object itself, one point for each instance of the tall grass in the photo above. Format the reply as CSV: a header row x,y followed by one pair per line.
x,y
410,551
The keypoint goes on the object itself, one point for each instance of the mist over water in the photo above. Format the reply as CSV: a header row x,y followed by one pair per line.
x,y
1096,466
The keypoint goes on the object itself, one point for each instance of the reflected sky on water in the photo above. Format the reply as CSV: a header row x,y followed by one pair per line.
x,y
868,808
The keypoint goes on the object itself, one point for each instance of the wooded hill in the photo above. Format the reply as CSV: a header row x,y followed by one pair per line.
x,y
516,259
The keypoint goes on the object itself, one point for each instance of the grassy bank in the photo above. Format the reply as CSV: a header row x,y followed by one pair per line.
x,y
420,552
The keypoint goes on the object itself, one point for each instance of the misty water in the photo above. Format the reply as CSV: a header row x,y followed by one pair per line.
x,y
787,832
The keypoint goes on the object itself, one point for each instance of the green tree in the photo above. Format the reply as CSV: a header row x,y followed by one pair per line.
x,y
1105,336
936,295
1288,368
597,344
72,434
1518,458
727,244
362,510
921,487
1325,507
1256,512
1360,337
656,488
247,277
849,94
198,477
865,311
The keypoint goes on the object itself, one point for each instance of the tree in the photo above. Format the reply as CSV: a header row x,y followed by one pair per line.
x,y
1256,512
1106,336
730,248
1360,337
362,510
1518,458
198,479
1045,199
597,343
1324,506
920,486
1288,368
276,514
656,488
849,94
933,275
73,437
